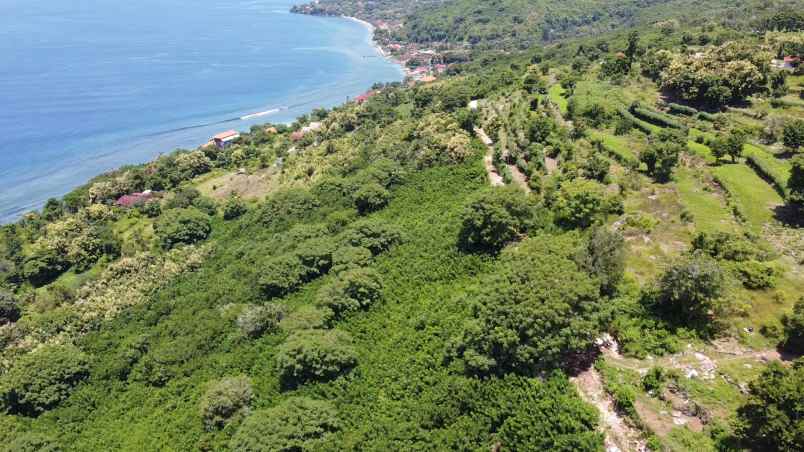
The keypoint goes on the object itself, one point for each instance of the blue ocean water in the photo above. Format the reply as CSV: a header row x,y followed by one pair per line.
x,y
90,85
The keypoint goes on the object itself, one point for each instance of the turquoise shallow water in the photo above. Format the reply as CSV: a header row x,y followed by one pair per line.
x,y
90,85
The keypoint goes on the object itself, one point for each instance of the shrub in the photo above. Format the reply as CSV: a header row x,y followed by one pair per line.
x,y
654,381
297,424
150,209
661,158
794,329
40,380
793,134
623,126
771,418
494,218
316,255
604,258
536,414
728,246
282,275
596,168
795,185
757,275
234,207
315,355
205,205
351,291
371,197
536,310
688,289
224,400
44,266
9,308
350,257
286,207
254,321
32,442
182,226
731,145
581,203
376,235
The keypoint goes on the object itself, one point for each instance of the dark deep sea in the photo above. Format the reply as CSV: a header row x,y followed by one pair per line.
x,y
90,85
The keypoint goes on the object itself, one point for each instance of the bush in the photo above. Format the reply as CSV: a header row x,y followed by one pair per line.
x,y
32,442
581,203
182,226
9,308
688,289
44,266
297,424
794,329
795,185
40,380
771,418
150,209
316,255
351,291
757,275
254,321
285,207
494,218
233,208
205,205
654,381
224,400
282,275
376,235
315,355
728,246
604,258
371,197
661,158
350,257
793,134
596,168
533,313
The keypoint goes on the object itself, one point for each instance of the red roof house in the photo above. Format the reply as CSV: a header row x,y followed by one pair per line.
x,y
224,139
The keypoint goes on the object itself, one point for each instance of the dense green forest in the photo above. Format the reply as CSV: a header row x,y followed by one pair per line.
x,y
586,236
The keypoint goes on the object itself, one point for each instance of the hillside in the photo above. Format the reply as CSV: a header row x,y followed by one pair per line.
x,y
593,243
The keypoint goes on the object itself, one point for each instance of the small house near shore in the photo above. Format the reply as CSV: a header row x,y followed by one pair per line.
x,y
225,139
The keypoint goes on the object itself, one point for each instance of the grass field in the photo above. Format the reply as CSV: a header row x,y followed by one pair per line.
x,y
622,148
709,211
773,168
752,196
556,94
701,150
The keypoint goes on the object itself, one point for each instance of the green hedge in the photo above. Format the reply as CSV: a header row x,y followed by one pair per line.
x,y
659,119
638,123
769,168
682,109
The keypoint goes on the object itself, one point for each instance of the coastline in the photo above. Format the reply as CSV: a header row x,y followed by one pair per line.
x,y
382,51
120,150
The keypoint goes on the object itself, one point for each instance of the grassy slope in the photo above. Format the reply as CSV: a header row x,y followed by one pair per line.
x,y
753,196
